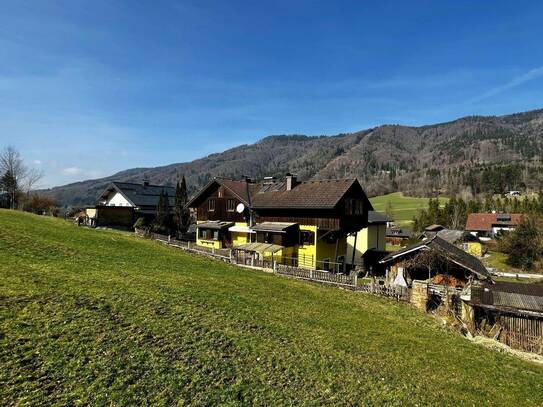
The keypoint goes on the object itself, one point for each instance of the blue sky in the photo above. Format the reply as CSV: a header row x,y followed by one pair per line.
x,y
91,88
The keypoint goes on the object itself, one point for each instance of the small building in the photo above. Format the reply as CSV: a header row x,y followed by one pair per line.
x,y
121,203
301,223
487,226
444,263
372,237
397,236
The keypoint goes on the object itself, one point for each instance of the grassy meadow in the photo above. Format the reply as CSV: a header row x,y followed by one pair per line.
x,y
98,317
404,208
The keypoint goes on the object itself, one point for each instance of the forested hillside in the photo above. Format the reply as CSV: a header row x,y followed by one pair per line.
x,y
475,155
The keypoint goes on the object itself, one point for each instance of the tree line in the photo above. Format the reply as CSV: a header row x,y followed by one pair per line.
x,y
454,213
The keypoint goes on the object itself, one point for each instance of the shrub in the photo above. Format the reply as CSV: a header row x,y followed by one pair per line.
x,y
140,223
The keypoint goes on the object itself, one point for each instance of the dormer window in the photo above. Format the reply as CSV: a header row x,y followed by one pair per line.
x,y
211,205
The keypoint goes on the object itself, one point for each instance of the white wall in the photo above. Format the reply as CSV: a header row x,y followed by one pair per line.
x,y
116,199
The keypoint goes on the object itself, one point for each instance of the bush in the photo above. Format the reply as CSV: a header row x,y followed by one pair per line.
x,y
140,223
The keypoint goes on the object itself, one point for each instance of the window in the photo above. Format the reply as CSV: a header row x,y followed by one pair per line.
x,y
231,205
211,205
307,238
208,234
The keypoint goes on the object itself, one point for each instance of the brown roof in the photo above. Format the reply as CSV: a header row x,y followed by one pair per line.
x,y
238,188
485,221
317,194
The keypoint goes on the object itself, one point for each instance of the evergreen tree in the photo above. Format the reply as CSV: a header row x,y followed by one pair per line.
x,y
182,215
162,213
9,183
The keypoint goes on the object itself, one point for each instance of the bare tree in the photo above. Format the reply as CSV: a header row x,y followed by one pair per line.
x,y
15,177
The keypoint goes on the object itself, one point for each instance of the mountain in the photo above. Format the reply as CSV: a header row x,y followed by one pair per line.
x,y
476,154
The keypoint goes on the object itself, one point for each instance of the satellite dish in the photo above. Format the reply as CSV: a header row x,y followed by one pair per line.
x,y
240,208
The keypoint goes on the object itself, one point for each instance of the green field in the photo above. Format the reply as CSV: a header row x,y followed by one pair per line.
x,y
404,208
102,318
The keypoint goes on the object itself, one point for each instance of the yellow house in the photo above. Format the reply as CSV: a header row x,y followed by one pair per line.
x,y
474,248
372,237
297,223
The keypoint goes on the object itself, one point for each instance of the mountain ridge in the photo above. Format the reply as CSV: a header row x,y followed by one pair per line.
x,y
472,154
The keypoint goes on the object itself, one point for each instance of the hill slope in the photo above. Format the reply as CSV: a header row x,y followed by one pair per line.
x,y
95,317
481,154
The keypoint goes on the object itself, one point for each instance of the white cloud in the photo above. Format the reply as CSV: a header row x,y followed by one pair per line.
x,y
72,171
36,162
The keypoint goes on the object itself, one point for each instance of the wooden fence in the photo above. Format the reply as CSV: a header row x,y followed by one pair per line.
x,y
398,293
320,276
316,275
521,333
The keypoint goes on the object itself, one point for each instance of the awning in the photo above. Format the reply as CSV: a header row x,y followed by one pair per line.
x,y
218,225
242,229
277,227
259,247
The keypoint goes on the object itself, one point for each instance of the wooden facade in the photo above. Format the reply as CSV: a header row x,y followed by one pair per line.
x,y
220,204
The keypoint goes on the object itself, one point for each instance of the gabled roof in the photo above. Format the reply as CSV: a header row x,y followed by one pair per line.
x,y
452,236
140,195
375,217
485,221
445,249
315,194
242,189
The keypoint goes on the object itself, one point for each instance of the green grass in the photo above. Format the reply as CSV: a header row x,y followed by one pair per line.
x,y
404,208
97,317
498,260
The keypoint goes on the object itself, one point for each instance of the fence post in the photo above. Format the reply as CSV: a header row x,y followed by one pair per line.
x,y
355,279
213,251
169,237
311,274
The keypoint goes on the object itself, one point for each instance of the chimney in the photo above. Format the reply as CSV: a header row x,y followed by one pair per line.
x,y
291,181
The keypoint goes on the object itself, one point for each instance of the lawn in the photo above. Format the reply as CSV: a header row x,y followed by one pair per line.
x,y
97,317
404,208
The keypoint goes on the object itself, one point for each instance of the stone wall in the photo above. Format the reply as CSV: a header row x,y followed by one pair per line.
x,y
419,295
